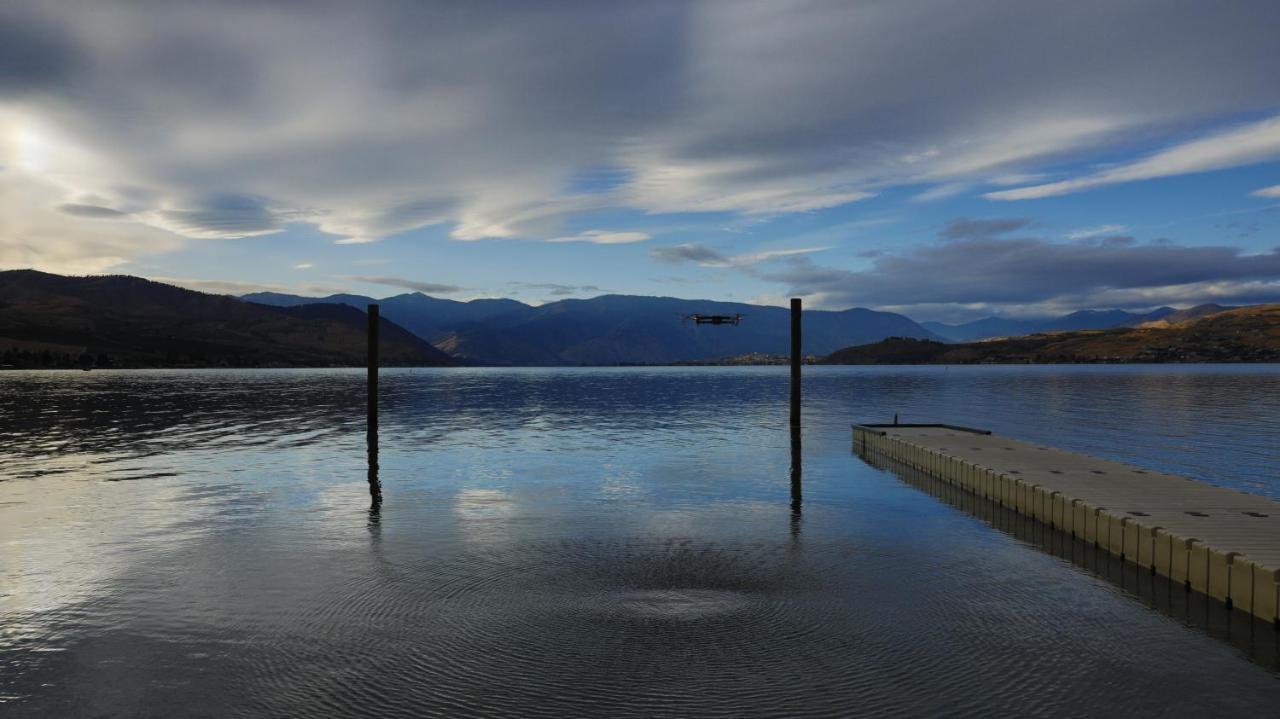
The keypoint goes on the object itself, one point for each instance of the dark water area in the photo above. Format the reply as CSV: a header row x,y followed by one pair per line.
x,y
554,542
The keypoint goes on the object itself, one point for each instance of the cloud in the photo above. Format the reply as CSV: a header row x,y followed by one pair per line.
x,y
944,191
1009,273
235,288
303,266
707,257
1085,233
34,53
755,258
678,254
1246,145
963,228
556,290
603,237
667,184
1273,191
36,232
222,216
1017,178
431,288
91,211
219,120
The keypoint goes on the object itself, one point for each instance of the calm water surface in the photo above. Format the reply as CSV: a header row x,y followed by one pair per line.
x,y
597,541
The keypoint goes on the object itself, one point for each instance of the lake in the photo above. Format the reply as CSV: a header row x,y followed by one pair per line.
x,y
622,542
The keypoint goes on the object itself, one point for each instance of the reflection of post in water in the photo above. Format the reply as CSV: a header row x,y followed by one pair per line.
x,y
375,486
796,490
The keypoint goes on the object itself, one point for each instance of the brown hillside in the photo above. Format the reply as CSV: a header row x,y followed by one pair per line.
x,y
54,321
1247,334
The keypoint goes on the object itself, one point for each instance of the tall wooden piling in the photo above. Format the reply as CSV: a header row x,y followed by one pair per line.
x,y
373,369
795,361
375,486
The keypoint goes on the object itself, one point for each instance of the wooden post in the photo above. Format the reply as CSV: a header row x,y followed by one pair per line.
x,y
795,361
375,486
373,368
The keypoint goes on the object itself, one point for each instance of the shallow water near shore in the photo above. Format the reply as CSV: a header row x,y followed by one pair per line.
x,y
588,541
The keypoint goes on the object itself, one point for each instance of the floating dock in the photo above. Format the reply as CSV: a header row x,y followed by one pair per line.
x,y
1217,541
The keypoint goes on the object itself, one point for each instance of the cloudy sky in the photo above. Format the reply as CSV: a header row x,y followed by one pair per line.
x,y
949,160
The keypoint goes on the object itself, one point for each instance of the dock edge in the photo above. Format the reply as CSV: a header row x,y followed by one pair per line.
x,y
1227,576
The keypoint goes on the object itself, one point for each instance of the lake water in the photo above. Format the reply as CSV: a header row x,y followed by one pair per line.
x,y
595,542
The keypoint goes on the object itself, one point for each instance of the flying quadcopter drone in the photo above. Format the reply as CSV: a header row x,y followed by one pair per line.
x,y
712,319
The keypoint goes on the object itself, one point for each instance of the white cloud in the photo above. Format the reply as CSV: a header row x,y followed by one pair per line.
x,y
605,237
36,233
662,183
433,288
945,191
1250,144
707,257
231,287
755,258
303,266
1011,272
1273,191
216,120
1037,136
1085,233
1017,179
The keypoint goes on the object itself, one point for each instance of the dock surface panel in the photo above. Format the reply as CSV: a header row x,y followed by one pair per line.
x,y
1218,541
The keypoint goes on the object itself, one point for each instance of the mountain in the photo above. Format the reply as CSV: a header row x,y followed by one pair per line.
x,y
279,299
622,329
430,318
132,322
1180,316
1006,327
1244,334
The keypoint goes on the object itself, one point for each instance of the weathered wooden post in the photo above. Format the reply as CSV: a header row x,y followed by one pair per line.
x,y
373,370
375,486
795,361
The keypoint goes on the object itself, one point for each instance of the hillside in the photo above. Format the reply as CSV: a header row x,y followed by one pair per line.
x,y
51,320
1082,320
620,329
1247,334
1181,316
431,318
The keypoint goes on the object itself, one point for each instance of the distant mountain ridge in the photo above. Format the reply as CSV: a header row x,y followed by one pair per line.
x,y
431,318
989,327
616,329
1193,313
1242,334
134,322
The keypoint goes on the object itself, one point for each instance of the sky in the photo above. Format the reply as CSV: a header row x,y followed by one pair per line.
x,y
945,160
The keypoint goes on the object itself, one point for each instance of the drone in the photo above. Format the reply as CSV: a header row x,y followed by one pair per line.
x,y
712,319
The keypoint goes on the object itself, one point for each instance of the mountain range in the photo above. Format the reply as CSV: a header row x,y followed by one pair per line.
x,y
1242,334
52,320
989,327
614,329
55,321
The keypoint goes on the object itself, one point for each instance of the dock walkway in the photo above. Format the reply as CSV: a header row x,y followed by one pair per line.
x,y
1217,541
